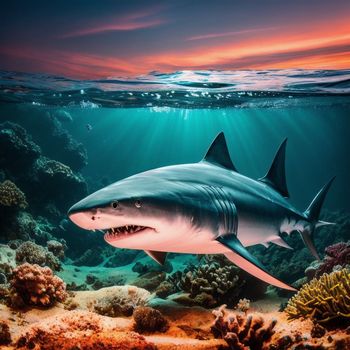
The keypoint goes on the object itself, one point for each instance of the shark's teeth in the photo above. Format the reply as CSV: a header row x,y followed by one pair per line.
x,y
115,232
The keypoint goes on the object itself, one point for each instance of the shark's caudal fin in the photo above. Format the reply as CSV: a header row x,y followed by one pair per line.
x,y
218,153
276,176
312,214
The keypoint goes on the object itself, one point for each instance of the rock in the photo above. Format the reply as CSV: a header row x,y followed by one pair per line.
x,y
149,320
5,336
150,280
119,301
91,257
317,331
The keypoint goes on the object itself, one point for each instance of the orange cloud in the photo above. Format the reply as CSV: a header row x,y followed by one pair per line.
x,y
318,48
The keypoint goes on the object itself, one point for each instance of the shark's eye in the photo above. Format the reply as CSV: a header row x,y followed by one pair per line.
x,y
138,203
115,204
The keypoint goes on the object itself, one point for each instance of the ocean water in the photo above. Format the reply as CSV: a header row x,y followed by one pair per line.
x,y
106,130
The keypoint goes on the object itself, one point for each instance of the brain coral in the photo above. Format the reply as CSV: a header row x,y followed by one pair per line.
x,y
35,285
11,195
323,300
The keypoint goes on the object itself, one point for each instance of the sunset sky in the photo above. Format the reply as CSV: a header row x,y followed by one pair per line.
x,y
94,39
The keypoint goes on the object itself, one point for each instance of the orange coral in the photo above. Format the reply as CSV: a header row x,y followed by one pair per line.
x,y
35,285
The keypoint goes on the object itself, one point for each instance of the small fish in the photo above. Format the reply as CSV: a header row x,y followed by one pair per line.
x,y
88,127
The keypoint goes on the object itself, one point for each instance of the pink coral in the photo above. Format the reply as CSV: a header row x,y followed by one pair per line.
x,y
35,285
336,254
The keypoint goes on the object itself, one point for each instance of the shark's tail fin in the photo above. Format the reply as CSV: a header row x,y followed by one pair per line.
x,y
312,214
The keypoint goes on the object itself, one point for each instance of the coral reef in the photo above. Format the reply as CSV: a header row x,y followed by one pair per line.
x,y
17,150
5,336
11,195
323,300
7,260
35,285
56,248
148,319
35,254
122,303
55,176
337,255
80,330
242,332
243,305
217,278
289,265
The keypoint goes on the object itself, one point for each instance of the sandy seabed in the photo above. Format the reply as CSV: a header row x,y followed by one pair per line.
x,y
189,328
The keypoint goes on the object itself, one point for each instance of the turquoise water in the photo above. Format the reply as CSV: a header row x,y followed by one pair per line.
x,y
109,129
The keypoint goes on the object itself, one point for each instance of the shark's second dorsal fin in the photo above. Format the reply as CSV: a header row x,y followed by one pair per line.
x,y
218,153
276,176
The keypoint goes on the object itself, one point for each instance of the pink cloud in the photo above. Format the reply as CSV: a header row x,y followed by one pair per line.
x,y
133,21
121,26
220,35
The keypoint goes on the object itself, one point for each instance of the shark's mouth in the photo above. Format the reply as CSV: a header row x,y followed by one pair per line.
x,y
123,231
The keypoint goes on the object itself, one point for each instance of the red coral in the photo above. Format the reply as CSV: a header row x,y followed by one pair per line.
x,y
36,285
336,254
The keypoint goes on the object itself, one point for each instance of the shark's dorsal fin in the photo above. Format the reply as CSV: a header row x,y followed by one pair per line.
x,y
276,176
159,257
218,153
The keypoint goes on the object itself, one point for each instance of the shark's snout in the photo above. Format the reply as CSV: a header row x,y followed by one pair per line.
x,y
83,219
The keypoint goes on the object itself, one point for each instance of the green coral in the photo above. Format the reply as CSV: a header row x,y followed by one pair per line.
x,y
11,195
323,300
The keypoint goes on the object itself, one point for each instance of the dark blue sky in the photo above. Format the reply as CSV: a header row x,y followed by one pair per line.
x,y
113,37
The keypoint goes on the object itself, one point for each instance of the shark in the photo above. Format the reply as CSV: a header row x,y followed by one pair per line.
x,y
206,207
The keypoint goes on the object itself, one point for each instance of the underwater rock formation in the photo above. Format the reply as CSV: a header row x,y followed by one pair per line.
x,y
323,300
242,332
148,319
12,196
91,257
35,285
150,281
120,301
152,266
35,254
80,330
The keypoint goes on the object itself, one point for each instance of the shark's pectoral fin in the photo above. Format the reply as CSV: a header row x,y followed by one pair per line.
x,y
243,259
159,257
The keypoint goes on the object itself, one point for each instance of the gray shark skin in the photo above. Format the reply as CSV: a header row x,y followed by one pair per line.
x,y
201,208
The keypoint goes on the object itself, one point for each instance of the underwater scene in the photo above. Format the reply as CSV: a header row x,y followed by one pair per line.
x,y
188,210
